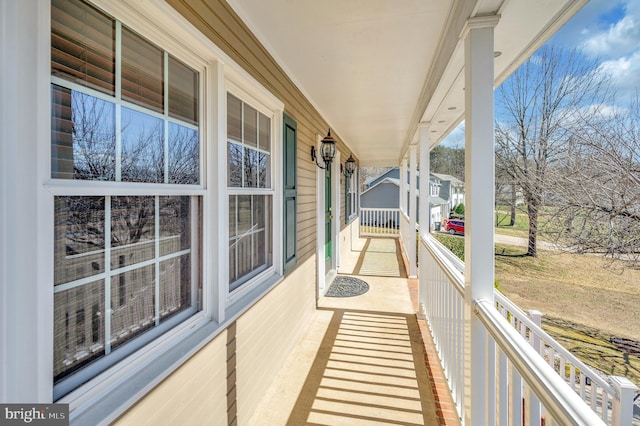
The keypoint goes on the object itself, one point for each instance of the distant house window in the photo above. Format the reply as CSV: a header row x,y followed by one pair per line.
x,y
250,189
126,260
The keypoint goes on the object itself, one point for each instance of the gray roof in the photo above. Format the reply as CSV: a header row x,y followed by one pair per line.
x,y
454,180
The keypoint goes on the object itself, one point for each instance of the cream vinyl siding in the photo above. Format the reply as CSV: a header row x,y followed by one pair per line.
x,y
217,20
267,333
196,393
200,391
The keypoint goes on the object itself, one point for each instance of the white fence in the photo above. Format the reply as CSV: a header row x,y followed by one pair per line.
x,y
531,375
376,222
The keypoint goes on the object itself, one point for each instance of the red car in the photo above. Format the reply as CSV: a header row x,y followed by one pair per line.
x,y
454,226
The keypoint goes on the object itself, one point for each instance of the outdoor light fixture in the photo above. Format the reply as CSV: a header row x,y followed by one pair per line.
x,y
327,150
349,166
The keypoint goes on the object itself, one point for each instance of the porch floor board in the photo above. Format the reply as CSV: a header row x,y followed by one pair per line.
x,y
363,360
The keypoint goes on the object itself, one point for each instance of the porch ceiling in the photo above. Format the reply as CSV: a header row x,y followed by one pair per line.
x,y
375,69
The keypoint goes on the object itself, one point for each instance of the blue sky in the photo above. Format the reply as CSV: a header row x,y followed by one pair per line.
x,y
607,31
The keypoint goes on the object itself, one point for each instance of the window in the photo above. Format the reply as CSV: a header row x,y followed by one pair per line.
x,y
126,255
351,195
250,191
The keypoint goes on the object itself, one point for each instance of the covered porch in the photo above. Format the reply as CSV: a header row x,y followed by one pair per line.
x,y
392,105
397,352
364,359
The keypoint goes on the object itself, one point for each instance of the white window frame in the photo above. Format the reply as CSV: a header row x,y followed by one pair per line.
x,y
264,102
139,23
103,398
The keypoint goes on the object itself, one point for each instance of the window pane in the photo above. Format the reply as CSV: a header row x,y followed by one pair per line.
x,y
175,286
175,224
250,126
83,45
232,216
243,262
265,133
234,165
83,143
183,91
234,118
79,238
259,211
142,72
264,170
78,323
259,255
142,147
250,168
250,252
232,260
184,155
132,230
132,303
244,213
266,241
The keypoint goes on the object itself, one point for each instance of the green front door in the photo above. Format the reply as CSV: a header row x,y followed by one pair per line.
x,y
328,219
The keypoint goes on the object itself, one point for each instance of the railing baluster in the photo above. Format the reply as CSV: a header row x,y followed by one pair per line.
x,y
503,389
445,311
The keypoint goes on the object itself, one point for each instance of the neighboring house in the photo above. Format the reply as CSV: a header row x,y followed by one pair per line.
x,y
384,192
451,190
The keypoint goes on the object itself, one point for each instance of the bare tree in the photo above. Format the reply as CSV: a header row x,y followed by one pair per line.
x,y
601,186
448,161
536,112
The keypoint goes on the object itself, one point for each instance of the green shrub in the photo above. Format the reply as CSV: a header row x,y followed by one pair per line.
x,y
455,244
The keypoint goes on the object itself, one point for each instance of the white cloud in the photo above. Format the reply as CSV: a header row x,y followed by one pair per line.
x,y
623,74
620,38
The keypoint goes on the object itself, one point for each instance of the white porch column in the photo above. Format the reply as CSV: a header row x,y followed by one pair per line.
x,y
413,211
403,186
425,205
424,218
479,240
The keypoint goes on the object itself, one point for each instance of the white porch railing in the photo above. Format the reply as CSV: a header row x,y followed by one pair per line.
x,y
379,222
533,373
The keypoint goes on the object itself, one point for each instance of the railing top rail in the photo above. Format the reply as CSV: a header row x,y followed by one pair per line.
x,y
370,209
455,260
448,264
564,405
522,316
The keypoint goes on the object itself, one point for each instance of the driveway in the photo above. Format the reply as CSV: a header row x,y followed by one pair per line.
x,y
523,242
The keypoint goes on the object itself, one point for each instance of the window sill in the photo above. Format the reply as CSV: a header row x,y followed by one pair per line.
x,y
351,218
119,397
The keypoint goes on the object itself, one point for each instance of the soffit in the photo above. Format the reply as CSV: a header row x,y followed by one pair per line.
x,y
375,68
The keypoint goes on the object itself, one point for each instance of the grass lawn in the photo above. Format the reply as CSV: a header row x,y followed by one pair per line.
x,y
521,227
585,302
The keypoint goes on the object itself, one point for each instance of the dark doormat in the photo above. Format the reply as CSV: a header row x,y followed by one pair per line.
x,y
343,286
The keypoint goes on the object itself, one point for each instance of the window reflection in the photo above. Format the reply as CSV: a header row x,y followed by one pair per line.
x,y
183,155
79,238
234,165
142,147
132,230
83,143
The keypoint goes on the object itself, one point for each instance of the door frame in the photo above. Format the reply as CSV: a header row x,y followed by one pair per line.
x,y
324,277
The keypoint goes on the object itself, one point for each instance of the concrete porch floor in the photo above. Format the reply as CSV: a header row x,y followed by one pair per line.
x,y
364,360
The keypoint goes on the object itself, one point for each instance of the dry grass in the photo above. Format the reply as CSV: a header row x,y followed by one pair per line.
x,y
584,299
